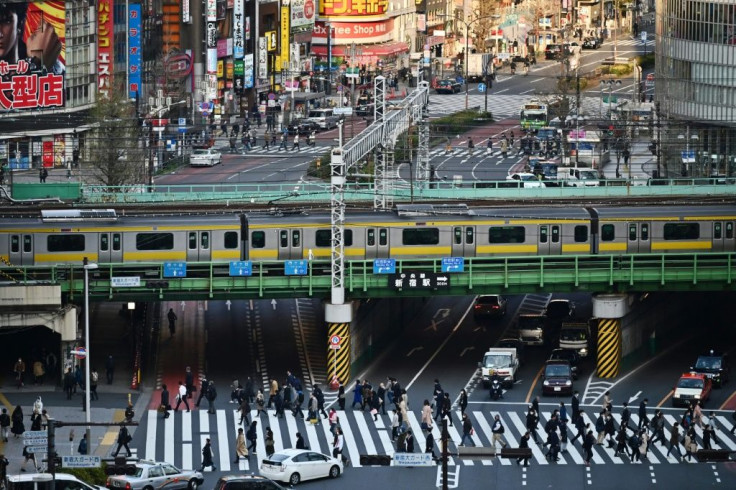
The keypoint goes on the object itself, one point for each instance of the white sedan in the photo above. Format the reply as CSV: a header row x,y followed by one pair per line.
x,y
206,157
529,180
295,465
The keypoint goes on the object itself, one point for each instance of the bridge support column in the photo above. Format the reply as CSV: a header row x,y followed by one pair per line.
x,y
609,309
338,318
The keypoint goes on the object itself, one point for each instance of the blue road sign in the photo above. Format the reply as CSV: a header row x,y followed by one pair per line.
x,y
296,267
384,266
175,269
688,156
241,268
481,87
453,264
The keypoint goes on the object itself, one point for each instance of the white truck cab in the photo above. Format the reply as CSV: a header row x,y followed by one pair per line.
x,y
575,336
502,361
578,177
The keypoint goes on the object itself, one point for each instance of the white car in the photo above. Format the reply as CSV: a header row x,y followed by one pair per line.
x,y
295,465
206,157
64,481
529,180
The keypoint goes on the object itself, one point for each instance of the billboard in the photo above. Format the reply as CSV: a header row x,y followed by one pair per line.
x,y
239,29
104,46
134,50
353,8
32,55
302,14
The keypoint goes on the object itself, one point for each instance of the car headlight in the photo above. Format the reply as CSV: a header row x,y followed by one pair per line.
x,y
697,397
568,383
546,383
583,352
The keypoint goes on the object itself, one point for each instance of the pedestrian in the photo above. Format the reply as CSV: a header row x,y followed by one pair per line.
x,y
463,401
643,443
338,445
429,446
504,148
4,425
588,442
279,402
109,369
244,410
300,444
471,146
531,423
252,436
448,146
707,436
621,442
17,420
68,383
394,424
607,401
43,175
675,439
426,420
94,378
283,142
203,384
468,430
524,444
341,397
600,427
189,381
511,138
626,416
38,372
129,413
409,441
563,435
439,396
610,430
320,396
211,396
172,317
332,418
28,457
366,394
381,395
397,393
575,404
240,450
269,442
489,146
713,422
698,414
207,456
498,429
272,391
3,468
123,439
82,448
643,419
404,409
312,410
164,407
299,399
554,446
563,412
181,397
357,394
260,403
19,370
691,444
581,427
447,407
266,140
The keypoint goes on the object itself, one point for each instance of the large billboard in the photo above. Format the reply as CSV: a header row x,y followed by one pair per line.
x,y
352,8
32,55
302,14
134,50
104,46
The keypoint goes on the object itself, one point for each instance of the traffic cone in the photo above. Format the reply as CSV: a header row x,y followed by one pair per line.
x,y
334,382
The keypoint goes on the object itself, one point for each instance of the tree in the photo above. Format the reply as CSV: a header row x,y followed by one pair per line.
x,y
483,10
115,150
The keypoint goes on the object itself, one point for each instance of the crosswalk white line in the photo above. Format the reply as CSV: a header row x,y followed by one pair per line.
x,y
169,439
363,429
186,420
719,434
350,446
186,456
416,430
151,439
273,423
291,433
204,421
222,442
312,438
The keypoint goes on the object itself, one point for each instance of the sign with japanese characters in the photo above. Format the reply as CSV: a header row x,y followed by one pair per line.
x,y
239,29
352,8
248,71
134,49
262,58
104,46
211,10
419,280
302,14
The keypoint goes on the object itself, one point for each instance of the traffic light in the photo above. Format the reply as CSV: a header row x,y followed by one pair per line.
x,y
53,461
120,466
157,284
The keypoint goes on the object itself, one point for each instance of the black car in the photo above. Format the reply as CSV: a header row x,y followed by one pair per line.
x,y
448,87
365,106
552,52
714,365
566,355
246,482
303,126
558,377
489,306
559,310
591,43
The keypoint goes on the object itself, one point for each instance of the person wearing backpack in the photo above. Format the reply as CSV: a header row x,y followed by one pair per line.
x,y
498,429
634,443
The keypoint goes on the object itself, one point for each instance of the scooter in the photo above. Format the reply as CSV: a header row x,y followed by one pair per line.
x,y
496,390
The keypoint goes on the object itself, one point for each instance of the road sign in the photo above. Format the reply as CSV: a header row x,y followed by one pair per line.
x,y
182,121
419,280
241,268
481,87
345,111
81,461
32,434
296,267
688,156
175,269
643,35
80,352
384,266
412,459
35,441
650,80
125,282
36,449
335,342
453,264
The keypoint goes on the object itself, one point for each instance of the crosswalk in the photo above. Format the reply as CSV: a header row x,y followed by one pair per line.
x,y
179,439
498,104
274,151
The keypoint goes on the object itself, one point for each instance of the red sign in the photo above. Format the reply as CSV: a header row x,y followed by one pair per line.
x,y
650,77
104,46
372,31
309,9
178,66
352,8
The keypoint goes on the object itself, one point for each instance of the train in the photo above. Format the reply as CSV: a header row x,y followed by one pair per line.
x,y
407,231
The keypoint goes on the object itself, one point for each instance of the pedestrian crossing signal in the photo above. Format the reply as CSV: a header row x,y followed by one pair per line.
x,y
119,467
157,284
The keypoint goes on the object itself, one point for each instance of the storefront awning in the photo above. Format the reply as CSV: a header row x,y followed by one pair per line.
x,y
384,49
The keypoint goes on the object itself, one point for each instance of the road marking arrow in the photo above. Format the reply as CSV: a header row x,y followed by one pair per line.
x,y
635,397
415,349
273,303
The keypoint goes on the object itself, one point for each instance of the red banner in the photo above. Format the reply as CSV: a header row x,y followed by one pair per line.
x,y
104,46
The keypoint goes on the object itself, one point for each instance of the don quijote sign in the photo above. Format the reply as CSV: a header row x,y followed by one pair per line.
x,y
355,30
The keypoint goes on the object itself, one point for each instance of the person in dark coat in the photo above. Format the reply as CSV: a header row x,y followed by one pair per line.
x,y
165,400
202,390
524,444
189,381
409,441
429,446
580,426
207,457
300,444
110,369
610,431
123,440
17,418
68,383
463,401
252,436
531,423
341,397
643,419
357,394
588,443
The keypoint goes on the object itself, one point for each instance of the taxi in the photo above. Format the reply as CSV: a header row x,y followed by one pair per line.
x,y
691,388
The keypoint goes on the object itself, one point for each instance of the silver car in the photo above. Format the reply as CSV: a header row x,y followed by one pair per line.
x,y
150,475
206,157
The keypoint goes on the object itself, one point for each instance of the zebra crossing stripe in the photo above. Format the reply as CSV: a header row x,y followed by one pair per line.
x,y
222,442
350,445
186,433
169,439
521,427
186,456
293,429
312,434
363,429
273,423
415,426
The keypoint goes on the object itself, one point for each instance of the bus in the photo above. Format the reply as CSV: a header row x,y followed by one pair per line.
x,y
534,115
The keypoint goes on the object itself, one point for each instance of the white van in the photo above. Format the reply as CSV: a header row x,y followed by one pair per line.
x,y
325,118
578,177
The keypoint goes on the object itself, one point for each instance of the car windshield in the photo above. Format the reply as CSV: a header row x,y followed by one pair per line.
x,y
588,175
707,362
558,308
695,383
200,152
488,300
573,335
530,322
557,370
276,458
497,361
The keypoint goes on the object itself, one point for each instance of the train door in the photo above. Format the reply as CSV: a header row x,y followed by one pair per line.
x,y
543,241
110,248
376,243
199,246
721,240
463,241
638,238
21,249
290,244
729,244
555,240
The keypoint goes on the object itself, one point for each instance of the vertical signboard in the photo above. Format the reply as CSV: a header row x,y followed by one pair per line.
x,y
185,12
104,46
211,10
239,29
134,49
285,23
262,58
248,71
32,55
211,36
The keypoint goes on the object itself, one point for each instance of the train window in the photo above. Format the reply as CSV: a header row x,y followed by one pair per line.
x,y
323,238
421,236
154,241
231,239
632,232
644,232
15,244
65,243
258,239
681,231
457,235
555,234
116,242
543,232
205,240
382,237
371,237
506,234
608,233
104,242
717,231
27,243
729,230
283,238
581,234
347,238
296,240
192,240
469,235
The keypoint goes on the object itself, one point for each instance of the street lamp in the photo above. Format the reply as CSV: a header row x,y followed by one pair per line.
x,y
87,267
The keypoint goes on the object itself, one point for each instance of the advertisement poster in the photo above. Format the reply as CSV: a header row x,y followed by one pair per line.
x,y
32,55
59,150
248,71
134,50
239,29
104,46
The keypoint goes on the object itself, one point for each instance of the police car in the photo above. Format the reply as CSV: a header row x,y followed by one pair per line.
x,y
691,388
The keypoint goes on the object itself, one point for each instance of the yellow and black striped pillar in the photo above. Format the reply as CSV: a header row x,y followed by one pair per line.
x,y
338,359
609,347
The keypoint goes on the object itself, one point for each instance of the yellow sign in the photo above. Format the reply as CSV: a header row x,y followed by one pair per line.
x,y
271,41
220,69
285,16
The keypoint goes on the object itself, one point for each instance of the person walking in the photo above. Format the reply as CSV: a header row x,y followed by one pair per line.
x,y
260,403
658,428
439,396
467,430
429,446
320,396
189,381
531,423
489,146
28,457
123,439
626,416
621,442
600,427
69,383
607,401
691,444
588,443
252,436
341,397
554,446
203,384
381,396
164,401
581,427
707,436
4,425
575,406
296,143
110,369
269,442
409,441
17,420
426,420
211,396
266,140
207,457
357,394
504,148
338,444
498,429
244,410
675,439
172,317
447,407
272,390
181,397
643,444
643,419
471,146
463,401
94,378
394,424
524,444
300,444
240,450
634,443
283,142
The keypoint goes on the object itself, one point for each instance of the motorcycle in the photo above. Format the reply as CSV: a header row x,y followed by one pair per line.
x,y
496,390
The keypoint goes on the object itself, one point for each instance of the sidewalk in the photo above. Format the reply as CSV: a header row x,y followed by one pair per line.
x,y
642,164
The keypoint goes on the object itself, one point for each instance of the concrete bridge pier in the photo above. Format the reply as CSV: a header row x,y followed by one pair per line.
x,y
609,309
338,318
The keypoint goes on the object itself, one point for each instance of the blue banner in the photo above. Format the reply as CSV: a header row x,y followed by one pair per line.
x,y
134,50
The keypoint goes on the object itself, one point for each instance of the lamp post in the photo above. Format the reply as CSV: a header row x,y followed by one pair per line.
x,y
87,267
